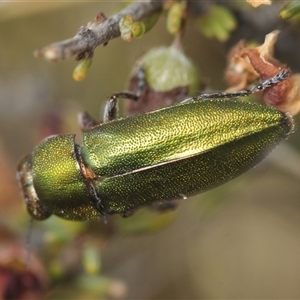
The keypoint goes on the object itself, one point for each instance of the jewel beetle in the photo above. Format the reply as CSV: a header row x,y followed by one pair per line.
x,y
173,152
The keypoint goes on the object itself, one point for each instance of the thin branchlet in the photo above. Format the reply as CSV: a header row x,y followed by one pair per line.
x,y
89,37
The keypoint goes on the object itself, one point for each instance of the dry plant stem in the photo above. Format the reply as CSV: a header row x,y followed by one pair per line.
x,y
89,37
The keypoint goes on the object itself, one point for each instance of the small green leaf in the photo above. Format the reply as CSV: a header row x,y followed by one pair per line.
x,y
167,68
151,20
125,25
138,29
82,68
91,259
218,22
174,19
290,10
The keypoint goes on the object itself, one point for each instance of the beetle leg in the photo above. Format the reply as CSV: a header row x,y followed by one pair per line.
x,y
111,107
86,121
166,205
128,213
282,75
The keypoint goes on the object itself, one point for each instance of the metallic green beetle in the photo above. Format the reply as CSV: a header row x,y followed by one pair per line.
x,y
126,163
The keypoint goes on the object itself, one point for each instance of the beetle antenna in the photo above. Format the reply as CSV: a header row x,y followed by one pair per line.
x,y
279,77
284,74
28,242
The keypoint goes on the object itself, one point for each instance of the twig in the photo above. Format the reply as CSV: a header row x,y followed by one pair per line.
x,y
89,37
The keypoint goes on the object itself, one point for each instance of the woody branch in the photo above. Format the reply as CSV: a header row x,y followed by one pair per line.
x,y
96,33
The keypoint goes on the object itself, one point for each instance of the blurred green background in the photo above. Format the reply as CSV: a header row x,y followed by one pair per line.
x,y
241,240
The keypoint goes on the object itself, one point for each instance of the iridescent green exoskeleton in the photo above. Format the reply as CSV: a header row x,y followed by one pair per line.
x,y
174,152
